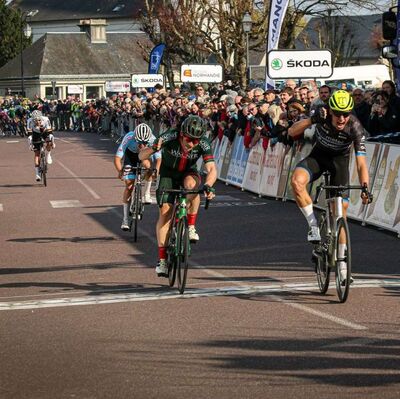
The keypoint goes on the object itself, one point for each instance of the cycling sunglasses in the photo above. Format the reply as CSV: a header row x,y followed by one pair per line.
x,y
340,113
143,142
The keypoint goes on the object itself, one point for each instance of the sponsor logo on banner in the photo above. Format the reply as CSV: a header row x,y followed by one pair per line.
x,y
147,80
118,87
225,163
252,174
283,64
199,73
233,175
272,168
75,89
221,154
356,208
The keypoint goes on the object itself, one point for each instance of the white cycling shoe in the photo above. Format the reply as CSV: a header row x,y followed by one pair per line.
x,y
147,199
49,159
314,235
193,236
343,273
162,268
125,225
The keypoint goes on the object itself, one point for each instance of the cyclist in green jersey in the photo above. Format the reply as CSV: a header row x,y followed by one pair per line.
x,y
181,149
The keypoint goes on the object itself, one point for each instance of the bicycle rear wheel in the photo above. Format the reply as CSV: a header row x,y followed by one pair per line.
x,y
343,276
137,209
321,256
183,253
43,169
171,256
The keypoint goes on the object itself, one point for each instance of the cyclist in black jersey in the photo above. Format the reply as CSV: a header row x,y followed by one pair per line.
x,y
336,131
181,149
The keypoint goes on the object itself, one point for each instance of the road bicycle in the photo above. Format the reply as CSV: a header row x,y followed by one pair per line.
x,y
42,162
334,229
136,206
178,248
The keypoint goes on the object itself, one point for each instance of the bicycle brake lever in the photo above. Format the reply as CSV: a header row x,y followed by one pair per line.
x,y
318,193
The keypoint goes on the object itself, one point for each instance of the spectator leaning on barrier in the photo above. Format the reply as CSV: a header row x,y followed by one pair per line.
x,y
233,123
361,108
384,118
275,110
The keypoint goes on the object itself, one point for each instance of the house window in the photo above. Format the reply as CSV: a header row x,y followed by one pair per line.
x,y
92,92
49,92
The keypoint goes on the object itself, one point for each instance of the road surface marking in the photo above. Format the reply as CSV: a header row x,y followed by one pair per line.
x,y
64,141
66,204
79,180
150,295
12,141
105,140
1,208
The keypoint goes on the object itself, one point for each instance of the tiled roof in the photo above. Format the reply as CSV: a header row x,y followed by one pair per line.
x,y
74,54
56,10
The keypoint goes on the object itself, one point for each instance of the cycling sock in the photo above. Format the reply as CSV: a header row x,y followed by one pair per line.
x,y
126,211
147,187
192,219
37,170
162,252
341,250
308,212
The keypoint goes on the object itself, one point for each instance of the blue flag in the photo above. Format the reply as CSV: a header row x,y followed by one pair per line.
x,y
155,58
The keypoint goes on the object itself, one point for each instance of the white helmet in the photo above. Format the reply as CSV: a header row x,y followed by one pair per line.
x,y
143,133
36,114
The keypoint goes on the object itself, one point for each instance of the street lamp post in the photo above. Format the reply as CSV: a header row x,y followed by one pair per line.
x,y
26,31
247,24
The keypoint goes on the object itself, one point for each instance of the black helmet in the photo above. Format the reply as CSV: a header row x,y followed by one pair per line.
x,y
194,126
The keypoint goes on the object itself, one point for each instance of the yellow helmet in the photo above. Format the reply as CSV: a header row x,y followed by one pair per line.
x,y
341,101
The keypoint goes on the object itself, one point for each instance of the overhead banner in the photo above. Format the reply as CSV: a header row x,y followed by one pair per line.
x,y
277,11
283,64
202,73
156,58
118,87
147,80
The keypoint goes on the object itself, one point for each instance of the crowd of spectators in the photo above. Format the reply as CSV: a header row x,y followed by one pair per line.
x,y
254,113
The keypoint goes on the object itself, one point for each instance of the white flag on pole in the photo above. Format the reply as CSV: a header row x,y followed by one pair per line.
x,y
276,15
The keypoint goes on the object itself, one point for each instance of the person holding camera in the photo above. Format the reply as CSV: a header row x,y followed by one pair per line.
x,y
384,118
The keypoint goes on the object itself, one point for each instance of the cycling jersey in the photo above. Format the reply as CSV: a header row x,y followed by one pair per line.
x,y
176,158
39,132
129,150
338,142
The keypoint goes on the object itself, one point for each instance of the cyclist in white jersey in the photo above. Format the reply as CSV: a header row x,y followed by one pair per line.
x,y
40,132
127,158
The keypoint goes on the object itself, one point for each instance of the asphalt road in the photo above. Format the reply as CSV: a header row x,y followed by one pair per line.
x,y
83,315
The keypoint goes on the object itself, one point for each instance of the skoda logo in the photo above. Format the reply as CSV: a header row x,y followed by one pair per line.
x,y
276,64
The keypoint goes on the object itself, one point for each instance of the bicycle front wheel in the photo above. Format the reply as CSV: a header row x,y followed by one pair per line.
x,y
43,170
171,256
321,256
137,214
343,260
183,253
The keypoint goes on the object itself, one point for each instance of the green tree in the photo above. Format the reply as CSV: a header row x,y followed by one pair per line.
x,y
12,24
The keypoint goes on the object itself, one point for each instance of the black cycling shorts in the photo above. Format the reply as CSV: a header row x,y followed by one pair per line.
x,y
318,162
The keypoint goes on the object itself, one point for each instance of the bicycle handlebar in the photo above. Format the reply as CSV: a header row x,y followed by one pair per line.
x,y
340,189
185,192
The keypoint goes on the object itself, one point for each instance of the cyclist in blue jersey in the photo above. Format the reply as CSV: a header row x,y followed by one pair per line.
x,y
127,158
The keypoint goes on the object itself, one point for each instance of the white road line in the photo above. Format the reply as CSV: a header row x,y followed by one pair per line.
x,y
79,180
12,141
1,208
286,302
190,293
64,141
66,204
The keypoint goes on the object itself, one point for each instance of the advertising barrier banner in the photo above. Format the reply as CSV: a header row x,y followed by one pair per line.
x,y
272,168
384,210
238,162
300,152
226,162
356,208
252,174
221,153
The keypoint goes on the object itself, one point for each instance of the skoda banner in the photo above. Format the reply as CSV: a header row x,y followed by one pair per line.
x,y
147,80
283,64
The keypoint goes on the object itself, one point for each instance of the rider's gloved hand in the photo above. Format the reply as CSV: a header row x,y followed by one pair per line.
x,y
209,191
319,116
366,196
